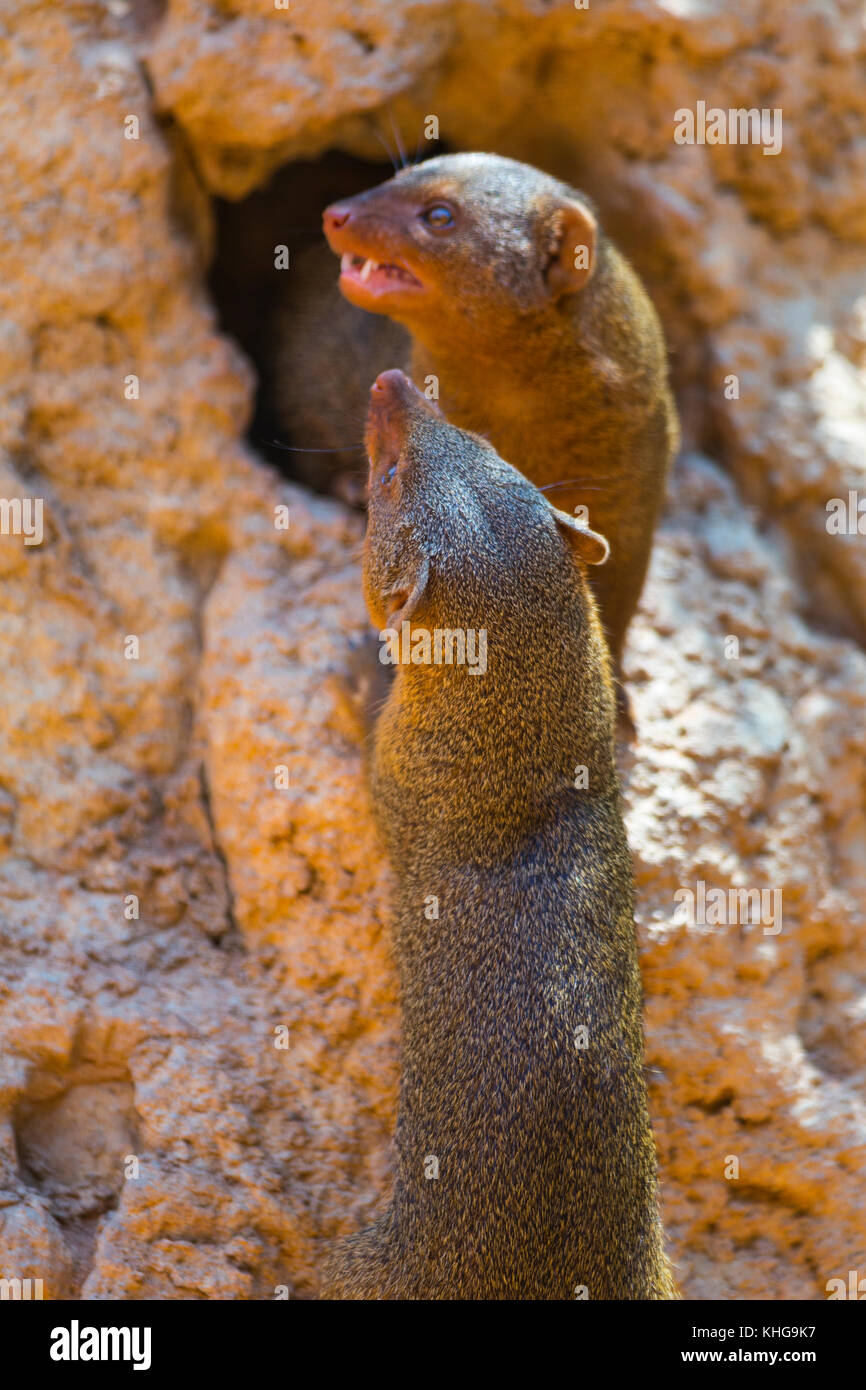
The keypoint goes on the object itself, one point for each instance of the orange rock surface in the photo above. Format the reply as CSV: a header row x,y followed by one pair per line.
x,y
195,1098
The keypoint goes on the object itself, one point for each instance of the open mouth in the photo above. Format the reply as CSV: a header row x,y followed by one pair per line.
x,y
376,277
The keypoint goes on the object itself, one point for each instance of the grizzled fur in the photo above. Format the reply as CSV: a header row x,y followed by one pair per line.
x,y
546,1162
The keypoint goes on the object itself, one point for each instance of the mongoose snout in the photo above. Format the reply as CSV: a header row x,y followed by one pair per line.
x,y
374,266
392,395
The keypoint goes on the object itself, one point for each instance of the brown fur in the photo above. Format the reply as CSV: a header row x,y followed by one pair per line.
x,y
565,372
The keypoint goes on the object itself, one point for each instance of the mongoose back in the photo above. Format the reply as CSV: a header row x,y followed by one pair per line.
x,y
526,1165
539,332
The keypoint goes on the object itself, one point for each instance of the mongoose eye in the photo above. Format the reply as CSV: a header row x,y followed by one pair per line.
x,y
388,475
438,216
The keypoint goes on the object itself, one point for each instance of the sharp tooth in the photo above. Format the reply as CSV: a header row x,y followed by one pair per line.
x,y
346,261
367,270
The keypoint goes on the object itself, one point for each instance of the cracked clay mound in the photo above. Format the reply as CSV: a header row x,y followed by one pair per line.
x,y
198,1016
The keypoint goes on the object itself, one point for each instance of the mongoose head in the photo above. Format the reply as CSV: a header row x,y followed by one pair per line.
x,y
463,229
456,537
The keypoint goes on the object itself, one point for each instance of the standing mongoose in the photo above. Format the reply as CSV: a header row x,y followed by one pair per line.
x,y
526,1165
539,332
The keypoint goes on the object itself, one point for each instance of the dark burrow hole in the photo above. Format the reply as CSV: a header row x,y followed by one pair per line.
x,y
306,402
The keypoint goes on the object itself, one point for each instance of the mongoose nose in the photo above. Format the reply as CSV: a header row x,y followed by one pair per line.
x,y
335,217
393,382
395,387
395,397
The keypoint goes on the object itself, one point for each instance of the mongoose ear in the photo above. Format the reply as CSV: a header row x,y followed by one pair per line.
x,y
574,234
402,602
588,546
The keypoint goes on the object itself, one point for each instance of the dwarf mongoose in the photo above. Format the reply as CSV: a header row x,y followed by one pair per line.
x,y
526,1165
540,334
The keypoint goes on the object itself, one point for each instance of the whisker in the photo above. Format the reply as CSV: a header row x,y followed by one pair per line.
x,y
572,482
394,165
299,448
395,131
